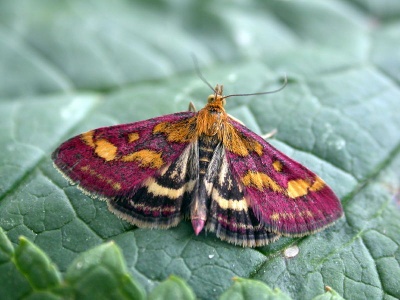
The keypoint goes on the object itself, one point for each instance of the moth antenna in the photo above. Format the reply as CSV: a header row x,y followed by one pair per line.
x,y
196,66
261,93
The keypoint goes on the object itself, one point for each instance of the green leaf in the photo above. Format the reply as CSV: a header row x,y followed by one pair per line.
x,y
26,271
243,289
172,288
35,266
99,273
330,294
70,66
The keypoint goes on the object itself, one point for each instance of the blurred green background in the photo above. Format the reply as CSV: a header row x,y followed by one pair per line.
x,y
71,66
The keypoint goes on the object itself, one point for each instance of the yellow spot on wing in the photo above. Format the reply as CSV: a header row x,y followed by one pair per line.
x,y
318,184
145,158
116,186
297,188
277,165
238,205
300,187
260,181
275,217
133,136
105,149
87,137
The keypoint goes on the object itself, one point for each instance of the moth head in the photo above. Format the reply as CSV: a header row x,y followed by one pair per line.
x,y
217,97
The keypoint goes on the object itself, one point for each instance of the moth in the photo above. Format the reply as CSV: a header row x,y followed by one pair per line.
x,y
202,165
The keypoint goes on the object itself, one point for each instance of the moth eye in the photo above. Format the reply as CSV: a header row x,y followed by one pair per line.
x,y
210,98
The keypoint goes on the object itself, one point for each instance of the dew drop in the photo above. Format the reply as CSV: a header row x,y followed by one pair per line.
x,y
291,251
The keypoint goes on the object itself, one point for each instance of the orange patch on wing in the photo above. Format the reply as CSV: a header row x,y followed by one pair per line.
x,y
87,138
146,158
133,136
105,149
181,132
114,184
300,187
285,215
318,184
239,144
260,181
277,165
297,188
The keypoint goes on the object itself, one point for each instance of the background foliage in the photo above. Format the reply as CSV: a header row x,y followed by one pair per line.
x,y
70,66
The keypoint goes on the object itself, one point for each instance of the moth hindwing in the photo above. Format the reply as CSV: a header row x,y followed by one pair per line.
x,y
203,165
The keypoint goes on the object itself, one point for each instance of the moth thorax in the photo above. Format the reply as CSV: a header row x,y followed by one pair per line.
x,y
210,120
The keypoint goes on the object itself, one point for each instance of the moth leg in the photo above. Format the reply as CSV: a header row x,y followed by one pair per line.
x,y
269,134
191,108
